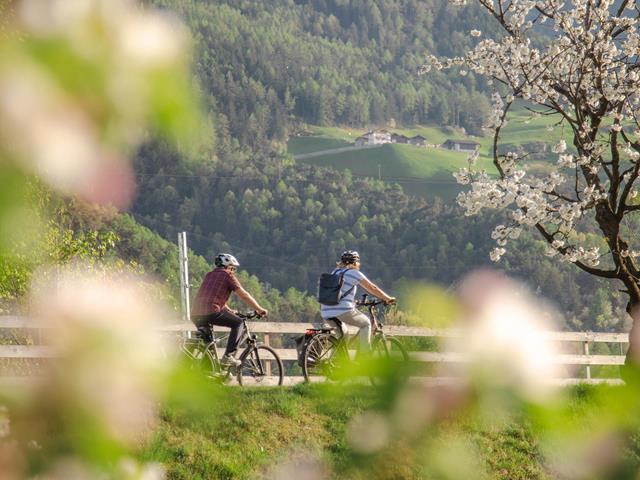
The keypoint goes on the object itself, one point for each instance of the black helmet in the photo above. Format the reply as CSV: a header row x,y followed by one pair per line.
x,y
349,256
226,260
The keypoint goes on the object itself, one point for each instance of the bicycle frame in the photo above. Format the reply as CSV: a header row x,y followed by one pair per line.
x,y
246,342
324,351
347,341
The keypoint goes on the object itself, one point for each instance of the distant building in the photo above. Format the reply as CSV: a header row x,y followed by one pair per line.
x,y
362,141
377,137
380,137
418,140
399,138
461,145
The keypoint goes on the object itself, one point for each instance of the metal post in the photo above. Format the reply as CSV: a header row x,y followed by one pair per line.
x,y
586,352
184,276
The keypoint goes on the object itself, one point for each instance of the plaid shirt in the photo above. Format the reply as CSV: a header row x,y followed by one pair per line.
x,y
214,292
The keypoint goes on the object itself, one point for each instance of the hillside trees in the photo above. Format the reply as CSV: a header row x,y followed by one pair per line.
x,y
286,223
268,65
313,60
79,232
586,209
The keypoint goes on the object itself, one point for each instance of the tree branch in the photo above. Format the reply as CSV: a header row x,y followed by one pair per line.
x,y
592,270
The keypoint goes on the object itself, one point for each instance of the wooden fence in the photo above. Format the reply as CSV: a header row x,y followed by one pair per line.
x,y
578,345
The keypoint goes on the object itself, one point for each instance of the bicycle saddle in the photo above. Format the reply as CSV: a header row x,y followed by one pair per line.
x,y
337,322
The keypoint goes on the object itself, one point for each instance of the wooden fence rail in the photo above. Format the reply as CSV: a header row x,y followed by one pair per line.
x,y
270,330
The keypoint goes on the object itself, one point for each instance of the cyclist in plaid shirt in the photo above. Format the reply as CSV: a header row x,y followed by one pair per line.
x,y
210,305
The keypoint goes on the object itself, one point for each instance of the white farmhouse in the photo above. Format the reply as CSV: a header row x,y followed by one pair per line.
x,y
373,137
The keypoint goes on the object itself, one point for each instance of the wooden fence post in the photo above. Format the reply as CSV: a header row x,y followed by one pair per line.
x,y
586,353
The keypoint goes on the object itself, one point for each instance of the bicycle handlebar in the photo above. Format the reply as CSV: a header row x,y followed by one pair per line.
x,y
370,303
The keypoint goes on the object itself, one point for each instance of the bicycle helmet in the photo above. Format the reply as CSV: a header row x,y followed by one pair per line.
x,y
226,260
349,256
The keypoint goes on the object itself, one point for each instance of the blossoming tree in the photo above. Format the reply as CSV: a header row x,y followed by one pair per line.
x,y
577,62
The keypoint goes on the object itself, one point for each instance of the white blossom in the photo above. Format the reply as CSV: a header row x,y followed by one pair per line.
x,y
496,254
566,160
560,147
591,78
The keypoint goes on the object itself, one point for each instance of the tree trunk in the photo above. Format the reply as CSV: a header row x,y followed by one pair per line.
x,y
631,370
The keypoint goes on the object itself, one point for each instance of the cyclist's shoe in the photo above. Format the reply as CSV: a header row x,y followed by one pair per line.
x,y
230,361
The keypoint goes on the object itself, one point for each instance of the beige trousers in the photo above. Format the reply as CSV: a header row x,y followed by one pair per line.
x,y
358,319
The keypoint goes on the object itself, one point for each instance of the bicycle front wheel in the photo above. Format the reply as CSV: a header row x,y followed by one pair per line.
x,y
392,349
260,366
391,359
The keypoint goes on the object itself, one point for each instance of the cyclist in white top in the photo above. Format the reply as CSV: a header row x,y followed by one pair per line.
x,y
346,310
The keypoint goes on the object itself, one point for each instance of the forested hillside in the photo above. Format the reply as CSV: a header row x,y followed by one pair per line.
x,y
266,66
104,238
288,222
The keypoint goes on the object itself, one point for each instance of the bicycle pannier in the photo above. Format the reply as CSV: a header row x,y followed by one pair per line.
x,y
301,346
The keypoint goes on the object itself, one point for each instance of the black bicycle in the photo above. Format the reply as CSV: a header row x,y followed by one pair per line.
x,y
260,365
326,353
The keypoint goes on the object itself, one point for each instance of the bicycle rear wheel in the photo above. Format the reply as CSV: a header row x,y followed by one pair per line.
x,y
198,357
321,357
260,366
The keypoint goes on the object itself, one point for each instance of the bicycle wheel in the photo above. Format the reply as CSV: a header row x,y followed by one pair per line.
x,y
198,357
390,359
260,366
321,357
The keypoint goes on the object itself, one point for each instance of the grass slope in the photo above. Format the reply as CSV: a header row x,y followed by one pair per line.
x,y
245,432
420,171
399,161
430,169
300,145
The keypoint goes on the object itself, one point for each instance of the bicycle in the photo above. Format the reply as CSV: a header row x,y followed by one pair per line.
x,y
325,353
260,365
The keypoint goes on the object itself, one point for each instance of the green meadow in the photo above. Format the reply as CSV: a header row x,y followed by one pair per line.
x,y
258,433
426,171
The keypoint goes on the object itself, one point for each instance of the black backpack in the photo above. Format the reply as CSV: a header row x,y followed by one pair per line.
x,y
329,287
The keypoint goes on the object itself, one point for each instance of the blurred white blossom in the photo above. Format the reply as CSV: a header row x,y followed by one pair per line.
x,y
368,432
76,135
108,356
128,469
5,422
504,336
300,466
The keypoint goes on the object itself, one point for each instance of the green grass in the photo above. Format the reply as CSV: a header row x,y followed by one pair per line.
x,y
300,145
245,432
400,161
421,171
429,168
322,138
